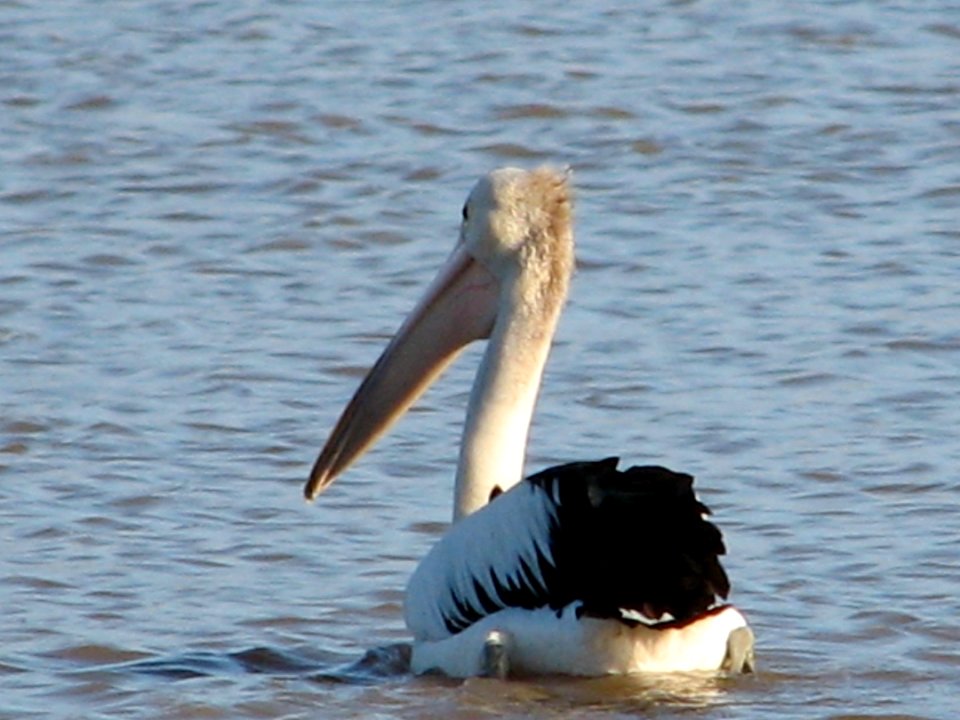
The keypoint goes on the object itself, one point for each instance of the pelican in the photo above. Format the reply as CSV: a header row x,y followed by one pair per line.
x,y
580,569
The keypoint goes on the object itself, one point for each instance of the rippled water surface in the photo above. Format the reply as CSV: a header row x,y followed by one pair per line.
x,y
212,214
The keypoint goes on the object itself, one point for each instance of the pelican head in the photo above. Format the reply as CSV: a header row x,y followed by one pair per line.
x,y
517,222
506,280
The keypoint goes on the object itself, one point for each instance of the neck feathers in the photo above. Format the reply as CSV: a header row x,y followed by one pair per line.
x,y
498,420
505,391
534,284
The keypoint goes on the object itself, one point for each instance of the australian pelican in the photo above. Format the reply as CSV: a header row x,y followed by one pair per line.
x,y
580,569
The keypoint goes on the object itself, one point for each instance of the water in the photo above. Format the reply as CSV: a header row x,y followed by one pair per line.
x,y
212,214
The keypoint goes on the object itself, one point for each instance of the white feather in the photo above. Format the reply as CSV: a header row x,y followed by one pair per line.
x,y
541,642
490,542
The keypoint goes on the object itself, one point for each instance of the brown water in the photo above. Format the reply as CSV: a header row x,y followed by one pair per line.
x,y
213,213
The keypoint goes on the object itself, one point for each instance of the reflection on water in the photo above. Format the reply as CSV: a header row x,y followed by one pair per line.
x,y
681,690
212,214
388,664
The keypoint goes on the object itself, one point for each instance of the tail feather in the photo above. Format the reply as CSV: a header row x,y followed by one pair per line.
x,y
637,540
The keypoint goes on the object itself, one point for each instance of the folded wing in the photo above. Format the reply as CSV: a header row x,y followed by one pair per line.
x,y
635,540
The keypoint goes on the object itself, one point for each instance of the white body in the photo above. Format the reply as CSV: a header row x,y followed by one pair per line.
x,y
539,642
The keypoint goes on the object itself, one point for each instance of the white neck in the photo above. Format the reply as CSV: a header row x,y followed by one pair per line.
x,y
501,406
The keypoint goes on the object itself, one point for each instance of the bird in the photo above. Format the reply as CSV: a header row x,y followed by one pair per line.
x,y
580,569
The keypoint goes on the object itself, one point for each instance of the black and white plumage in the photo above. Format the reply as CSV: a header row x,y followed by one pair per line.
x,y
583,533
574,569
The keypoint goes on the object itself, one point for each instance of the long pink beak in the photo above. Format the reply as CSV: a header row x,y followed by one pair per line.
x,y
459,306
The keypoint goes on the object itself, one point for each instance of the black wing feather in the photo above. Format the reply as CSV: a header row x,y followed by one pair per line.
x,y
613,540
636,539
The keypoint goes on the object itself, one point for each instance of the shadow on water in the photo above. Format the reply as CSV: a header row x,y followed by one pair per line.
x,y
377,665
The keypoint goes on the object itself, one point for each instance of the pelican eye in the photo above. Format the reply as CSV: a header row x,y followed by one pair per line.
x,y
465,212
